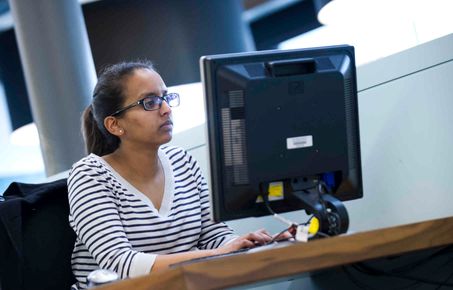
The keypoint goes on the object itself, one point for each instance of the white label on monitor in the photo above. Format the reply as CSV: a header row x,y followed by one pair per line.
x,y
299,142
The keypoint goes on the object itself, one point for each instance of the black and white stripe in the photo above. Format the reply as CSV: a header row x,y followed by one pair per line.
x,y
118,229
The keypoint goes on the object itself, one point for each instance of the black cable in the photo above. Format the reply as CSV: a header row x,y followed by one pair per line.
x,y
324,235
416,281
363,268
410,266
322,187
354,280
409,286
266,203
321,200
446,263
277,236
362,285
421,261
445,281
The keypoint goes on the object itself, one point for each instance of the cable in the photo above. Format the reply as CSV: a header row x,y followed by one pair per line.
x,y
324,235
363,268
333,218
292,226
291,229
431,262
446,263
421,261
276,215
408,267
354,280
446,280
320,187
266,202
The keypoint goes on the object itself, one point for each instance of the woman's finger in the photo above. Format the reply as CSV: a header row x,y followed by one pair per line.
x,y
282,236
246,243
264,232
258,237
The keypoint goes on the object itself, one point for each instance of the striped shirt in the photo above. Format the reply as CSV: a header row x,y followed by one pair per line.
x,y
119,229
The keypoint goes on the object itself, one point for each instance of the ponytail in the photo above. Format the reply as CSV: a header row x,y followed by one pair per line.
x,y
97,141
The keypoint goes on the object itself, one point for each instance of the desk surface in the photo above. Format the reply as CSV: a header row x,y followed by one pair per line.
x,y
297,259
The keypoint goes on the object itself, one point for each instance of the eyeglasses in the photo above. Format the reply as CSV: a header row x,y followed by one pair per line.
x,y
152,103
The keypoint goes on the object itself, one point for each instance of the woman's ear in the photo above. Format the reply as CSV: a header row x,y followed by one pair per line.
x,y
113,127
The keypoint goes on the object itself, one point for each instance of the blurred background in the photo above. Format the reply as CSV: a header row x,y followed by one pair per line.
x,y
174,34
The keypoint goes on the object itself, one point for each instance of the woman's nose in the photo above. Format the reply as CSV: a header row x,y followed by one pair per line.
x,y
165,108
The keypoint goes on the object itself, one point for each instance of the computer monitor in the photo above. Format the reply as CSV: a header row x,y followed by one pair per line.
x,y
283,128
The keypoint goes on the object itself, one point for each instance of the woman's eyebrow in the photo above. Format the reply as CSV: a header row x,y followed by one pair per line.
x,y
164,92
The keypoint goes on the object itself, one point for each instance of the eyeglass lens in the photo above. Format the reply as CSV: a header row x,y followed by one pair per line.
x,y
154,102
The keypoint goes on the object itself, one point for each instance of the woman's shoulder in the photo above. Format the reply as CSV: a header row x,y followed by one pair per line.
x,y
91,160
173,152
179,157
90,163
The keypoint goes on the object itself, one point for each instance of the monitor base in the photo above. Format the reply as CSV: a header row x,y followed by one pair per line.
x,y
331,213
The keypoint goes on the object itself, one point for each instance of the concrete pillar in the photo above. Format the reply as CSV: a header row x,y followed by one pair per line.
x,y
59,74
174,34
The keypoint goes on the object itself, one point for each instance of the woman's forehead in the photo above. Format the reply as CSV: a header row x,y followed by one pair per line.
x,y
144,82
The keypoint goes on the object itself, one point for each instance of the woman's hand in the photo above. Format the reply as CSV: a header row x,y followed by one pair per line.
x,y
289,233
259,237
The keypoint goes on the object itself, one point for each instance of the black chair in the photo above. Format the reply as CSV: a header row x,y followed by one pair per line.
x,y
36,241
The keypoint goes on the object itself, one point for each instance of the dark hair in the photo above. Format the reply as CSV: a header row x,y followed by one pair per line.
x,y
108,97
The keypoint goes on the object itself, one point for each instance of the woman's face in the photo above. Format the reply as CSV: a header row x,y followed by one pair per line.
x,y
145,127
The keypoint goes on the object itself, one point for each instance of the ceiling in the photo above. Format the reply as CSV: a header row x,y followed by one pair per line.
x,y
294,17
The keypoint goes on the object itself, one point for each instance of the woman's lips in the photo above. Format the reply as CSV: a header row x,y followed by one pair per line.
x,y
167,125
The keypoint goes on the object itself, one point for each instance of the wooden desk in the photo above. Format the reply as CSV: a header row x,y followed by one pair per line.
x,y
295,260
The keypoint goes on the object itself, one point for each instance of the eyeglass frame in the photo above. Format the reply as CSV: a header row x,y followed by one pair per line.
x,y
141,102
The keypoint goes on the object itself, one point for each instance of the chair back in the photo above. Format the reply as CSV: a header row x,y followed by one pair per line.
x,y
36,241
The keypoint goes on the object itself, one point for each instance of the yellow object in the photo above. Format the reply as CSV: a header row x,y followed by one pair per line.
x,y
276,190
313,228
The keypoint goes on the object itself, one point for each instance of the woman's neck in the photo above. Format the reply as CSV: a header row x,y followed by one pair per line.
x,y
135,164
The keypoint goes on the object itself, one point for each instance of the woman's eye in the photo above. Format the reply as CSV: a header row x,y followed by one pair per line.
x,y
151,101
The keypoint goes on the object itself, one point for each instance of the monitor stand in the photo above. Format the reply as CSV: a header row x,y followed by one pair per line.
x,y
331,213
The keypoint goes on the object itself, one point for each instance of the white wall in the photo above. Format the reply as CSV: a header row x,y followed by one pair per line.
x,y
406,126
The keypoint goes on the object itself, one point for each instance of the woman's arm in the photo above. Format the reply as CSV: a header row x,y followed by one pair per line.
x,y
247,241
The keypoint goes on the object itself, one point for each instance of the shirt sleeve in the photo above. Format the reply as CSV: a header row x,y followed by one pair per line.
x,y
94,217
213,235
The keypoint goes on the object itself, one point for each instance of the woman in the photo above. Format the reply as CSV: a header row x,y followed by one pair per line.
x,y
137,206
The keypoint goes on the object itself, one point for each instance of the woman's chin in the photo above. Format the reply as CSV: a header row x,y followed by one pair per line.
x,y
167,138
